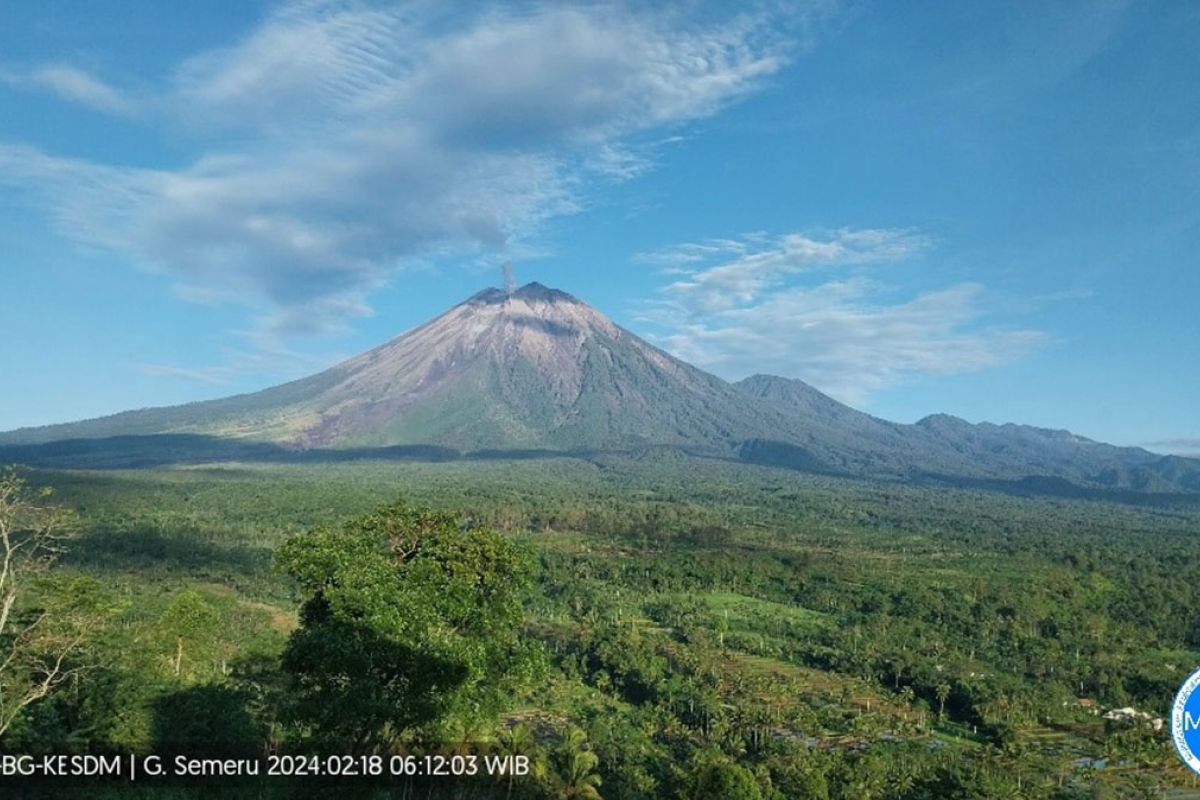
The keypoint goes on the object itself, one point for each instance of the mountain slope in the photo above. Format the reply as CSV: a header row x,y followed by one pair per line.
x,y
533,369
944,446
1016,451
537,369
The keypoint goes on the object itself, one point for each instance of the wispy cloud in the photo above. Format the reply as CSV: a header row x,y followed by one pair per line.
x,y
73,85
770,304
264,361
1183,445
755,262
215,376
347,138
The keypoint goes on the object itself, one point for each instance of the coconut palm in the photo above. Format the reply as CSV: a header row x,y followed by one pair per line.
x,y
516,741
943,692
577,768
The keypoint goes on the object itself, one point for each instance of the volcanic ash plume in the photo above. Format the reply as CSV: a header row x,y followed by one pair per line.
x,y
510,280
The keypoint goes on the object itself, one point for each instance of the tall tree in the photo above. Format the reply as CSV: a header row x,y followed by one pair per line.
x,y
43,626
189,623
577,763
411,620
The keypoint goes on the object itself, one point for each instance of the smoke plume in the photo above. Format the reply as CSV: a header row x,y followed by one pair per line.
x,y
510,280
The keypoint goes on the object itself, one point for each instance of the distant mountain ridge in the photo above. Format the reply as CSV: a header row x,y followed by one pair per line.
x,y
941,445
538,369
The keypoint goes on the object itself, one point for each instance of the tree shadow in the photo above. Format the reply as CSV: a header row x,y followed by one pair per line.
x,y
211,720
354,687
134,547
163,450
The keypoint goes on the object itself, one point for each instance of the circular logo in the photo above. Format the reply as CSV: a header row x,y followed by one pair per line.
x,y
1185,722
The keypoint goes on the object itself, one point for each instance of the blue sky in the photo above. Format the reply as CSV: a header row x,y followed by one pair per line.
x,y
974,208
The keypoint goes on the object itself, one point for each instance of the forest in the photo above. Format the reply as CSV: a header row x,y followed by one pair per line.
x,y
664,627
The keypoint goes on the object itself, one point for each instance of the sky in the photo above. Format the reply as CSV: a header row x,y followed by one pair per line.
x,y
985,209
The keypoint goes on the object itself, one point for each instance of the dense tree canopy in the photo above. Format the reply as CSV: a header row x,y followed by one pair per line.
x,y
411,618
707,628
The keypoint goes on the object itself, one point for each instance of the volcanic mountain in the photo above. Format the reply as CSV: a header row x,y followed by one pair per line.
x,y
539,370
535,368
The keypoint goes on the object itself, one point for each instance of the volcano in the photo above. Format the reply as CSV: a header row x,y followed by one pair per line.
x,y
531,368
536,369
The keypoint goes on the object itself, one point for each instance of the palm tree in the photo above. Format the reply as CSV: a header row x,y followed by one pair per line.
x,y
869,781
1001,788
943,691
516,741
577,766
902,778
1022,758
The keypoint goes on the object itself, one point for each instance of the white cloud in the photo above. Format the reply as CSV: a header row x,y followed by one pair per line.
x,y
73,85
771,306
755,262
339,140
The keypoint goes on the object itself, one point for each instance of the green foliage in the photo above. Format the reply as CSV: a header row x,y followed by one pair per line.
x,y
46,620
714,775
696,615
209,720
411,619
189,626
575,764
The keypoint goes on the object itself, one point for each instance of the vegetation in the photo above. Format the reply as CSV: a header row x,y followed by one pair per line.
x,y
655,628
410,620
43,628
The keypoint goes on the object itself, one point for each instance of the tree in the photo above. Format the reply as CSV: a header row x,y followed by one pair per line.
x,y
43,624
798,775
411,620
189,620
518,740
716,776
943,691
576,763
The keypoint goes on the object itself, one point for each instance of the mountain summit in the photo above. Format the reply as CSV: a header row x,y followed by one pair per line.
x,y
538,369
531,368
535,368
